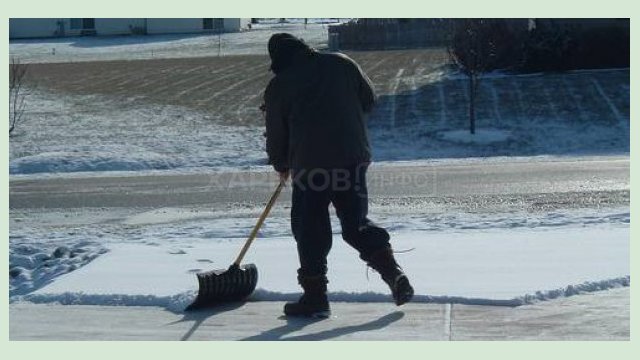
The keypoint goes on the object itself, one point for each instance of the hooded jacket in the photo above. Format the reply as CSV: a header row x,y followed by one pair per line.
x,y
315,112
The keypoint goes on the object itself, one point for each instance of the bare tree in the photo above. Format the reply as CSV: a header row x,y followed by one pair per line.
x,y
17,95
471,48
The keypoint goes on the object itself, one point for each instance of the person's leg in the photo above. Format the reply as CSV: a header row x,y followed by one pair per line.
x,y
310,223
311,228
350,199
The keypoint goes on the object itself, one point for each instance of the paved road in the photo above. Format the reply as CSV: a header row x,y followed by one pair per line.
x,y
596,316
548,184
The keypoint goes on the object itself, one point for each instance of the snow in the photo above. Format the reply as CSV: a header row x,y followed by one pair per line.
x,y
32,266
65,134
491,266
481,136
84,160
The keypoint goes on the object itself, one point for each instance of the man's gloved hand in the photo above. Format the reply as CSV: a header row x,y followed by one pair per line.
x,y
284,175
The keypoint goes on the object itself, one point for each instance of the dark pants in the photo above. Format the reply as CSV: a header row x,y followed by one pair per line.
x,y
346,189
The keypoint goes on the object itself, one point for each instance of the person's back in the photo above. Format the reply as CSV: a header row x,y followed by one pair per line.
x,y
321,101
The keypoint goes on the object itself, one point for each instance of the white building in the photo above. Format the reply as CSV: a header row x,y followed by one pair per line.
x,y
20,28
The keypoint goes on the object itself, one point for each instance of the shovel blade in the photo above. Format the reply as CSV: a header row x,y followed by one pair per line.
x,y
220,286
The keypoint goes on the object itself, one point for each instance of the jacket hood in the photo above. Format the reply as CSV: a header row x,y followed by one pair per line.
x,y
283,48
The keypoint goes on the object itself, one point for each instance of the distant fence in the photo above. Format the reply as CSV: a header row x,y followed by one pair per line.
x,y
389,35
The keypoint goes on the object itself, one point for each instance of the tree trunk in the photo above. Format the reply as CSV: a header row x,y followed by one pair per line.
x,y
472,103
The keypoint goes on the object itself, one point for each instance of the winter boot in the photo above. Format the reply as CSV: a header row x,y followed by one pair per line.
x,y
384,263
314,302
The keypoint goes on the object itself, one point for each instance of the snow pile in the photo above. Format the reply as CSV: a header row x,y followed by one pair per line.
x,y
491,267
81,160
571,290
31,267
481,137
175,303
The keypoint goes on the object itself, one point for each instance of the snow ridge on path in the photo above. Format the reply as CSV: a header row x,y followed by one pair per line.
x,y
177,303
468,267
528,299
174,303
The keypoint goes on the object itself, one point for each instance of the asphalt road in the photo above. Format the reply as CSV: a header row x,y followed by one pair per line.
x,y
541,184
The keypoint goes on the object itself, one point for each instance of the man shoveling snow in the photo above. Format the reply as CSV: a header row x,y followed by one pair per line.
x,y
315,119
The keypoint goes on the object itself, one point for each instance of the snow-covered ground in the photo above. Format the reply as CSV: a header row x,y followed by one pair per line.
x,y
487,267
64,134
507,251
481,259
480,137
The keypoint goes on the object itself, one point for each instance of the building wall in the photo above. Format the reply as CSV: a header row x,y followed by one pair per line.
x,y
583,23
117,26
169,25
173,26
236,24
31,28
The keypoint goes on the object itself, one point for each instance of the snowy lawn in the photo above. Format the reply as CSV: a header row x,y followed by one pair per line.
x,y
499,267
481,136
65,133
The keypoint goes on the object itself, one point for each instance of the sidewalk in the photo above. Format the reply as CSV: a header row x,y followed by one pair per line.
x,y
596,316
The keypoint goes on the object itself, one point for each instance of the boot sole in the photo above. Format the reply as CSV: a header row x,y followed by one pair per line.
x,y
315,315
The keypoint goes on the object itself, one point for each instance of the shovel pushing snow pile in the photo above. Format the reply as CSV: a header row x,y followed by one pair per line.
x,y
237,282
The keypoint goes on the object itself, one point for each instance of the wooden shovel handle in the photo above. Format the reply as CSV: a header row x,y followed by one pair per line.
x,y
256,228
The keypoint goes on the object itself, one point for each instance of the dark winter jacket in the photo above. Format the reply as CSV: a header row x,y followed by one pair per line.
x,y
315,113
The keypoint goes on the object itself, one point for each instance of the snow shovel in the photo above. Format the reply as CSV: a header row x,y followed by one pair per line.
x,y
238,281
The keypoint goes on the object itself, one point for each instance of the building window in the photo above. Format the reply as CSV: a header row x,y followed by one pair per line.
x,y
218,24
82,24
89,24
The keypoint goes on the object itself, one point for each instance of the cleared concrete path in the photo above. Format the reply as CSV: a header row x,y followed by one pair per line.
x,y
595,316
